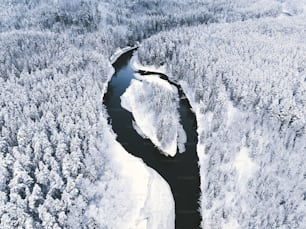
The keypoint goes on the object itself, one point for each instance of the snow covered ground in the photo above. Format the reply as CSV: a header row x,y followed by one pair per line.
x,y
154,103
119,52
294,7
136,65
138,199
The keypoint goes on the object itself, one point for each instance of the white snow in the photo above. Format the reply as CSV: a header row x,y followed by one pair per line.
x,y
231,224
294,7
138,130
110,73
158,200
231,111
119,52
145,200
139,198
154,79
244,166
153,103
136,65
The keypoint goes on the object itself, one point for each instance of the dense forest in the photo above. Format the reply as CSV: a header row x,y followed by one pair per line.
x,y
241,64
246,82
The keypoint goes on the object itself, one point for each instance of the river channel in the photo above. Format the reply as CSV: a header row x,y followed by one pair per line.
x,y
182,171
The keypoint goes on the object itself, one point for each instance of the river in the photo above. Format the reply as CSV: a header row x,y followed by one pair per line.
x,y
181,172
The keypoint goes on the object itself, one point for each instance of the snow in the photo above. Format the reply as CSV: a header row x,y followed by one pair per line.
x,y
231,111
245,167
138,130
250,116
294,7
145,200
154,79
150,190
137,197
188,92
136,65
110,72
158,200
119,52
231,224
158,100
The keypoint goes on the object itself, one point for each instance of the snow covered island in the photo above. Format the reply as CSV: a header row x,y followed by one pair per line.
x,y
154,105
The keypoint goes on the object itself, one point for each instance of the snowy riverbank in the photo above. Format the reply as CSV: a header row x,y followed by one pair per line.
x,y
119,52
140,198
137,66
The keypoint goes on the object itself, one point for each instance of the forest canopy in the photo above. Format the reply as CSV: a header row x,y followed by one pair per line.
x,y
240,63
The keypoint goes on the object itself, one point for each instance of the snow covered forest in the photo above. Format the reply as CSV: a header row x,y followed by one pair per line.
x,y
159,101
246,82
242,66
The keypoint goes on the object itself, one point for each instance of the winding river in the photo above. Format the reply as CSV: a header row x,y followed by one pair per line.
x,y
181,172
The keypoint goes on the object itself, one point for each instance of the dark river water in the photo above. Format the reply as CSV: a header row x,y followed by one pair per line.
x,y
181,172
